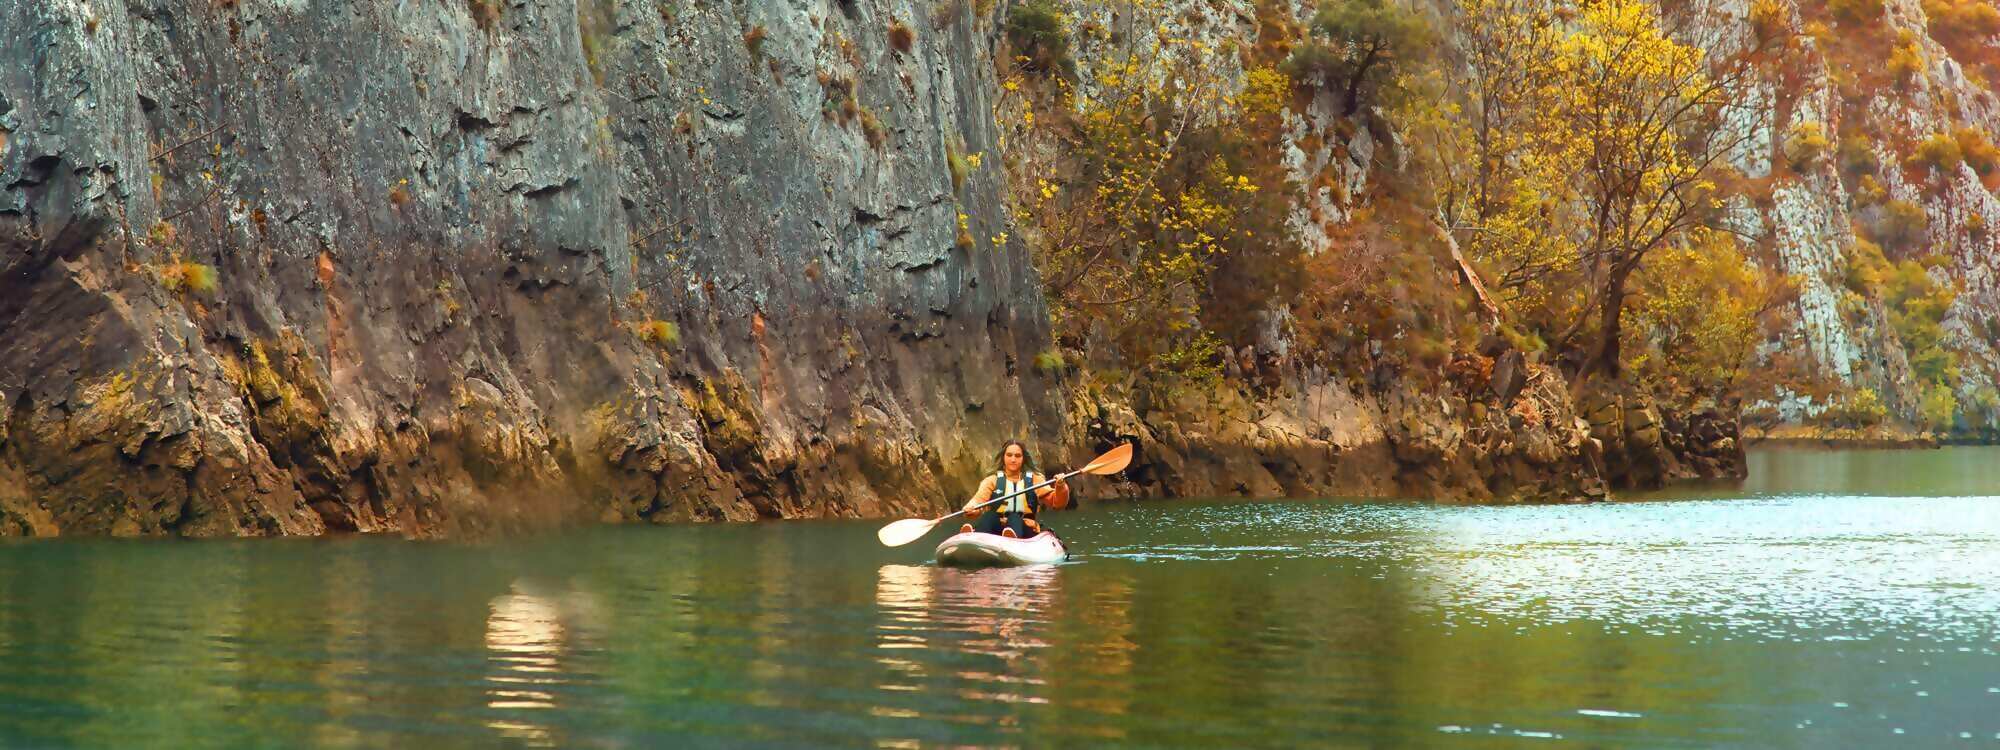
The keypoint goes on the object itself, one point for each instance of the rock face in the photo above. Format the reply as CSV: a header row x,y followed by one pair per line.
x,y
1878,86
298,267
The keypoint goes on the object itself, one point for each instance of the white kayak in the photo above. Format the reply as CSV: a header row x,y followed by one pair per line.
x,y
979,550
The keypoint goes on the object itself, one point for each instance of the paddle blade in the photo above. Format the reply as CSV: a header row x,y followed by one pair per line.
x,y
905,531
1112,462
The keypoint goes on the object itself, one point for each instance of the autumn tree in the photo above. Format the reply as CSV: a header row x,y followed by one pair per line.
x,y
1595,141
1160,232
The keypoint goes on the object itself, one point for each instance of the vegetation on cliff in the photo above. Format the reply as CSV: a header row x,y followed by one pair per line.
x,y
1579,180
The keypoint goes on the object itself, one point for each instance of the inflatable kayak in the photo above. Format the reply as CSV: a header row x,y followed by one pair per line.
x,y
978,550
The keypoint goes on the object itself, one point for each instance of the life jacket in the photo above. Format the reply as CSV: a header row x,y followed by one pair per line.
x,y
1026,504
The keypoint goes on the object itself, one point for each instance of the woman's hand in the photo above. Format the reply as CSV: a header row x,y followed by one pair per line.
x,y
974,507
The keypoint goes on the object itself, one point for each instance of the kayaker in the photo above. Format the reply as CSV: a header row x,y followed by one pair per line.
x,y
1015,516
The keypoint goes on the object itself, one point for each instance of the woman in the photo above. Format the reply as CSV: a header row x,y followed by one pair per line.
x,y
1014,516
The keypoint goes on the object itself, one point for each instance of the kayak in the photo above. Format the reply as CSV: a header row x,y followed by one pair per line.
x,y
980,550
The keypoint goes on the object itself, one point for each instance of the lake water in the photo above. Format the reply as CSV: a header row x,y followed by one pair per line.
x,y
1844,599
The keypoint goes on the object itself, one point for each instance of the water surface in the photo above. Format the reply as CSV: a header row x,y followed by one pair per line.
x,y
1836,599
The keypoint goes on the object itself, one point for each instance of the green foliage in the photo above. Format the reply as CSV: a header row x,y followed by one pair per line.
x,y
1938,408
596,23
956,163
1050,362
1035,31
1359,46
1805,145
1862,408
1916,304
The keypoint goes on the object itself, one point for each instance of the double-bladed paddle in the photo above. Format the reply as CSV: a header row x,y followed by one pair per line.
x,y
911,529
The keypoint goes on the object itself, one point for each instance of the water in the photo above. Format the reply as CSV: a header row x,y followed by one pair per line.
x,y
1837,599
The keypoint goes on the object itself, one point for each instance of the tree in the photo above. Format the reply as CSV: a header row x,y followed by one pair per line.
x,y
1356,45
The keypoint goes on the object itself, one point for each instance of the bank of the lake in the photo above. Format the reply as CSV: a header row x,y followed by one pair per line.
x,y
1834,599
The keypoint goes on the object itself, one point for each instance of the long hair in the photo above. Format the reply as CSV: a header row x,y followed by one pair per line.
x,y
1027,459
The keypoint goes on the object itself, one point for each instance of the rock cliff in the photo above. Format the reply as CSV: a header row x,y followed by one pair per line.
x,y
298,267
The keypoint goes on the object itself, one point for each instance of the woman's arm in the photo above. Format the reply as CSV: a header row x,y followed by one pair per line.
x,y
981,495
1054,496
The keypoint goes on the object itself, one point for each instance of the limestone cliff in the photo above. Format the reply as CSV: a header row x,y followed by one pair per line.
x,y
296,267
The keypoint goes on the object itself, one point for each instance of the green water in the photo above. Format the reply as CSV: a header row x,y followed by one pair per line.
x,y
1836,600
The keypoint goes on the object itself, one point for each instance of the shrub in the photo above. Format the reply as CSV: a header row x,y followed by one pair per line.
x,y
872,130
1979,153
1905,60
1939,152
954,161
1903,225
1862,408
1050,362
162,234
1035,30
1857,156
900,37
659,333
964,239
1769,19
188,277
485,13
1938,408
1856,11
1806,145
753,40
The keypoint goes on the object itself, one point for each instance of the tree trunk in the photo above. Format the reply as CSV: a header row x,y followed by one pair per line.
x,y
1360,74
1603,356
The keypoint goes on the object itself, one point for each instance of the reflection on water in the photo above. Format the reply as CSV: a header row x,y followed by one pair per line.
x,y
525,639
1787,618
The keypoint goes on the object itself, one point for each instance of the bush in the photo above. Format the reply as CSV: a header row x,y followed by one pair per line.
x,y
1905,61
1050,362
1939,152
1978,152
1806,145
485,13
1857,156
954,161
753,40
1862,408
659,333
1856,11
1903,225
872,129
901,38
1035,30
1769,19
188,277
